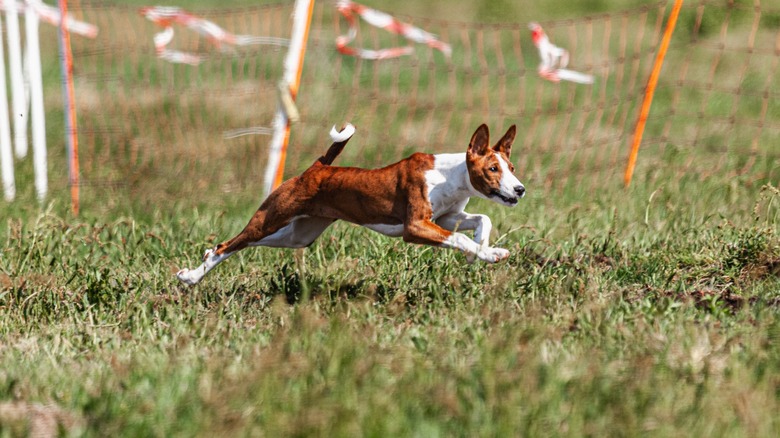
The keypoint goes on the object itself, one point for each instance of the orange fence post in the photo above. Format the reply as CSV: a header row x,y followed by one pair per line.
x,y
69,97
650,90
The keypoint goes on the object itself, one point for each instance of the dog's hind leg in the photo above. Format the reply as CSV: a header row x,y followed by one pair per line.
x,y
210,260
298,233
301,232
215,256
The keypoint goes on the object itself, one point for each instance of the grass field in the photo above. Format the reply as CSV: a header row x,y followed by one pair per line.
x,y
660,315
653,310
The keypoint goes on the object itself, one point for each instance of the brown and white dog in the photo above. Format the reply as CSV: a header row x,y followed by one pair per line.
x,y
420,198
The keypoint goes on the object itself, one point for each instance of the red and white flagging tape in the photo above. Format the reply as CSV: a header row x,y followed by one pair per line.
x,y
167,16
383,21
51,15
554,59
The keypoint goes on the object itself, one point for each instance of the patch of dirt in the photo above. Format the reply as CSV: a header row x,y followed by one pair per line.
x,y
5,282
37,420
702,298
35,280
767,266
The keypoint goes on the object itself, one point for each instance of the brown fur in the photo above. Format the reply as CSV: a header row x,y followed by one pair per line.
x,y
484,170
392,195
397,200
393,200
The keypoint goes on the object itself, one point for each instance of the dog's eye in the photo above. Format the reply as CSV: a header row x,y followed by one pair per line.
x,y
493,169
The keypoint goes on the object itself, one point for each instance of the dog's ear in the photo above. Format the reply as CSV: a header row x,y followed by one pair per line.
x,y
505,144
480,141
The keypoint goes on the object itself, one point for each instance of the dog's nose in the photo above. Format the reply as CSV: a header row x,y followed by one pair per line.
x,y
520,190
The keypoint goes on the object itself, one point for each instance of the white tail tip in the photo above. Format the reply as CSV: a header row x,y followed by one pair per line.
x,y
344,135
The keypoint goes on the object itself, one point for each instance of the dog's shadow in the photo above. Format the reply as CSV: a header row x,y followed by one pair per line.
x,y
297,286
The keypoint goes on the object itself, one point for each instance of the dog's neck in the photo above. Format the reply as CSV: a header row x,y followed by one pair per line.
x,y
449,186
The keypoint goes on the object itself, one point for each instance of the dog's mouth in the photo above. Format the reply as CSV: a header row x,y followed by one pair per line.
x,y
509,200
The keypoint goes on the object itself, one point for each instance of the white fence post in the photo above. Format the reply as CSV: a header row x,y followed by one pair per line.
x,y
36,102
6,156
19,99
291,78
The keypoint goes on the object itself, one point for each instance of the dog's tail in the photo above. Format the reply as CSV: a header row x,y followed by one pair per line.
x,y
340,139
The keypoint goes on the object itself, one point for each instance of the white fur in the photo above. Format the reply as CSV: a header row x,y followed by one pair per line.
x,y
485,253
344,135
387,230
299,233
210,260
449,187
508,180
449,190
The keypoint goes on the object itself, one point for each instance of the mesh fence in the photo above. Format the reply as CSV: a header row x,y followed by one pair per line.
x,y
151,127
569,133
718,110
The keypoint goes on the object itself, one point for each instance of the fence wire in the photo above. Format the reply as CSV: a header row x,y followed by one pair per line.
x,y
155,128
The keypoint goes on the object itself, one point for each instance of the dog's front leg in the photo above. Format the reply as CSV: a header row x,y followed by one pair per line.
x,y
464,221
429,233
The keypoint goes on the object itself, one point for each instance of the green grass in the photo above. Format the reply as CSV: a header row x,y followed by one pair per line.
x,y
621,312
658,316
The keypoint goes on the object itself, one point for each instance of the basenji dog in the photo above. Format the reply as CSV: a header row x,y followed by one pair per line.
x,y
421,198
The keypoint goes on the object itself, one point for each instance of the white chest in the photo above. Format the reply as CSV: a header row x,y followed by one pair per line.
x,y
448,185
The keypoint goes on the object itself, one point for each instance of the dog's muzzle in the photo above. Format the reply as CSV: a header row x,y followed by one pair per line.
x,y
511,200
519,192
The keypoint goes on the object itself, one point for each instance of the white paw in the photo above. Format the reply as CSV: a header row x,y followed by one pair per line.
x,y
207,254
493,255
186,277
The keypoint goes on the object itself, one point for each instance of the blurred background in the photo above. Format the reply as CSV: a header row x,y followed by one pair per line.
x,y
152,132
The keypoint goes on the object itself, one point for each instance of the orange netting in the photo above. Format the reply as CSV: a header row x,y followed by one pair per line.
x,y
156,127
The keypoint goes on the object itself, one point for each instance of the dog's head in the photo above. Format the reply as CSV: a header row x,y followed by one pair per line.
x,y
490,170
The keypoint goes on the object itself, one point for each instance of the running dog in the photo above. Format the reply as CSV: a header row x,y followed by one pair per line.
x,y
421,198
